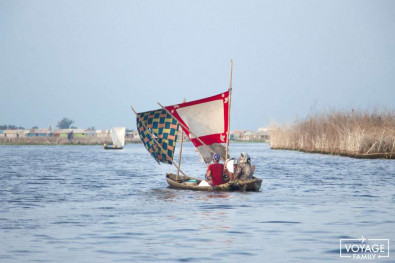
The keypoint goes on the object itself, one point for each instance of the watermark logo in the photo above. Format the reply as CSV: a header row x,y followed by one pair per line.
x,y
364,249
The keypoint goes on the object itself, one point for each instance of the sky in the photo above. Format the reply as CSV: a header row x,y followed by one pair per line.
x,y
89,61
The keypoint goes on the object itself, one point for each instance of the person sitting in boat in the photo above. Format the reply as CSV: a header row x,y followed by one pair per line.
x,y
243,170
230,168
215,170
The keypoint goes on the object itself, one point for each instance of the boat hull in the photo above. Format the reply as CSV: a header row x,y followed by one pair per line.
x,y
181,183
112,147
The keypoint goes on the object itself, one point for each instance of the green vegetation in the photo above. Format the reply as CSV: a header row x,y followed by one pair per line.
x,y
65,123
353,133
10,127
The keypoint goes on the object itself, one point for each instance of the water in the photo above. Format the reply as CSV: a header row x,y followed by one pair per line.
x,y
85,204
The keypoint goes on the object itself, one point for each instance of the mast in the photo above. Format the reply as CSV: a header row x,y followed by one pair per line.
x,y
230,99
179,157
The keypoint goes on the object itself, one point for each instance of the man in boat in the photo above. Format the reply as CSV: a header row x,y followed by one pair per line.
x,y
215,170
243,170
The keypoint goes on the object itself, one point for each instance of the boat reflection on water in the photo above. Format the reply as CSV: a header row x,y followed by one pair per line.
x,y
219,195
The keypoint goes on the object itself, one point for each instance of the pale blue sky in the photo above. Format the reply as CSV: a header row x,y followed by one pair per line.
x,y
90,60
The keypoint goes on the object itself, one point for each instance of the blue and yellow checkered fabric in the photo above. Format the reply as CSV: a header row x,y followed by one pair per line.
x,y
160,126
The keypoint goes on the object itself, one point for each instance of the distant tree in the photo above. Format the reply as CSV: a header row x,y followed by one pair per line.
x,y
92,128
10,127
129,130
73,127
35,127
64,123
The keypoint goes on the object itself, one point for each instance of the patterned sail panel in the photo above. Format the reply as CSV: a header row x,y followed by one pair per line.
x,y
207,121
158,127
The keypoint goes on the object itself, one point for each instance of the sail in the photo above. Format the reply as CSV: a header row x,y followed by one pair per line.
x,y
158,128
206,121
118,136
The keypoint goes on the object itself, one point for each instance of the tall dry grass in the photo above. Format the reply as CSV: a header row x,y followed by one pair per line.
x,y
353,133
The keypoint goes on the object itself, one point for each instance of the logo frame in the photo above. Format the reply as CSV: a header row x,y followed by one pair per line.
x,y
357,249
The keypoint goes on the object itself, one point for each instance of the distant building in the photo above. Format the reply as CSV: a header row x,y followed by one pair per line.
x,y
103,134
255,136
185,137
236,135
80,133
39,133
132,135
264,129
63,133
11,134
91,133
23,133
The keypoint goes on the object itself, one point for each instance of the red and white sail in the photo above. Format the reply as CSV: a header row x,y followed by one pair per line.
x,y
205,121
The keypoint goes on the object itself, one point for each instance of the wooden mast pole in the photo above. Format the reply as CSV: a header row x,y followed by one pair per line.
x,y
160,146
230,98
179,157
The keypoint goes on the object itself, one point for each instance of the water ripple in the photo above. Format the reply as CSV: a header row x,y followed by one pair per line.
x,y
84,204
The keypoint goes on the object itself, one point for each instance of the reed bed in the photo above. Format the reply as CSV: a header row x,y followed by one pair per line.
x,y
353,133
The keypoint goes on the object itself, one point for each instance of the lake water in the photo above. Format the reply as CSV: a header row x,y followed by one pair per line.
x,y
85,204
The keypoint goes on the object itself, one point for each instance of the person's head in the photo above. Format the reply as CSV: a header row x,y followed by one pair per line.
x,y
235,162
216,157
244,158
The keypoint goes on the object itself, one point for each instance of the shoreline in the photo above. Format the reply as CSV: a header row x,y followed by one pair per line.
x,y
59,141
389,155
54,144
81,141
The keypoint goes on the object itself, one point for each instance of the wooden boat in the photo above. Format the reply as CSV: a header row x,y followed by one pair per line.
x,y
118,139
206,122
112,147
190,183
